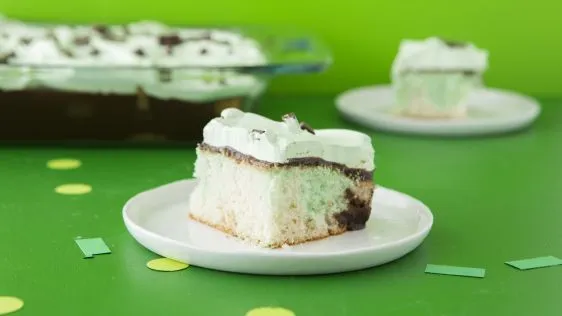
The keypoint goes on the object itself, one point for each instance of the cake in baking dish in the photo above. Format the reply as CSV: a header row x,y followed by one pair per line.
x,y
275,183
131,81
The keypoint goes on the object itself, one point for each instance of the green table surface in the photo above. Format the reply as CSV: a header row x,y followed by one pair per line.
x,y
494,199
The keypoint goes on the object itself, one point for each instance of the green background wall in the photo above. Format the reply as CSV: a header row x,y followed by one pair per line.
x,y
523,37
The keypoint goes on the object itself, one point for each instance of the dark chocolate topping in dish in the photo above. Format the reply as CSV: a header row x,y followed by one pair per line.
x,y
101,28
357,213
94,52
4,58
67,52
82,40
307,128
139,52
353,173
26,40
169,40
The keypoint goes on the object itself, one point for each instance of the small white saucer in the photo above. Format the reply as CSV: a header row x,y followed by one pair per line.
x,y
490,111
158,220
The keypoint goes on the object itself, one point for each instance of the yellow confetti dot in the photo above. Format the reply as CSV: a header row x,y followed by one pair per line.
x,y
166,265
64,164
73,189
9,304
270,311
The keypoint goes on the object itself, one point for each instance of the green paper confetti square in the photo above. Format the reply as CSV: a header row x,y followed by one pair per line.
x,y
92,246
534,263
458,271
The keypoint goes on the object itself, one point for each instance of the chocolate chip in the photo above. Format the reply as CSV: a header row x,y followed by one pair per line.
x,y
169,40
26,40
203,51
82,40
102,29
66,52
454,44
288,116
139,52
94,52
255,132
307,128
4,58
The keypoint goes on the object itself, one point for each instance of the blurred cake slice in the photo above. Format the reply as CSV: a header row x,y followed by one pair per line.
x,y
433,78
281,183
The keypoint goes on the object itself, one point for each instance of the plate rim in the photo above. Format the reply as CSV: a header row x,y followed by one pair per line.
x,y
477,126
420,234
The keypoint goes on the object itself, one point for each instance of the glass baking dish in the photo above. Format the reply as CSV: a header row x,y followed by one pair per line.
x,y
140,82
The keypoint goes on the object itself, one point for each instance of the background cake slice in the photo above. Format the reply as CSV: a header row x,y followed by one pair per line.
x,y
433,78
275,183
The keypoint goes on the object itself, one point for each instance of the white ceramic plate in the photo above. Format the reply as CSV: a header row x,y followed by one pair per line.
x,y
158,220
490,111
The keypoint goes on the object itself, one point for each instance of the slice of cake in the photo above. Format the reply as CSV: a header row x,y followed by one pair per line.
x,y
433,78
281,183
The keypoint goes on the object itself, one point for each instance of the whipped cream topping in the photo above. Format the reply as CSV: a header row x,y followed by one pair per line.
x,y
94,58
434,54
139,44
279,142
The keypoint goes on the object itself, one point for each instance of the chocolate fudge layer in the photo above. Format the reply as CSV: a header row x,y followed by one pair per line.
x,y
50,115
